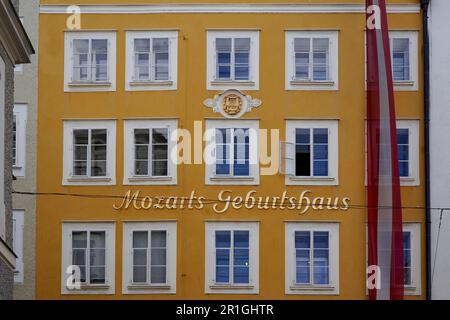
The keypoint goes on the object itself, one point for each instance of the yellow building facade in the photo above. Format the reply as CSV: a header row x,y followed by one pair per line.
x,y
117,80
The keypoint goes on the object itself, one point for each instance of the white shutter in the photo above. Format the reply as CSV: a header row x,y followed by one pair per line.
x,y
287,158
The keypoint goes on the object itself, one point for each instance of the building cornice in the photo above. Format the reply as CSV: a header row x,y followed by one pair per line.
x,y
225,8
13,36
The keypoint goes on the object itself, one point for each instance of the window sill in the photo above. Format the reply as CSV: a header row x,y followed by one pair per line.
x,y
150,83
149,287
233,82
311,288
406,83
407,179
89,179
91,287
294,178
231,287
311,83
137,179
89,84
17,166
219,178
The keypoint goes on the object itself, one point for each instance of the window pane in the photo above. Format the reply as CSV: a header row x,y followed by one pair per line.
x,y
302,240
159,168
222,274
320,138
223,44
321,258
302,266
400,59
302,44
140,257
161,45
241,239
80,168
81,136
242,44
142,45
241,152
223,239
241,275
158,257
140,274
97,274
158,274
97,239
99,136
100,58
141,136
79,239
98,168
302,152
140,239
159,239
223,151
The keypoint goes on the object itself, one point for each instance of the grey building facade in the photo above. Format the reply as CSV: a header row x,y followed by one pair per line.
x,y
15,48
24,168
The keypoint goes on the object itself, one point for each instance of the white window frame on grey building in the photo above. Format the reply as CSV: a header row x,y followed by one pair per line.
x,y
233,37
410,82
153,127
90,82
133,250
68,229
100,126
155,50
19,139
211,176
211,286
291,284
302,50
18,231
288,154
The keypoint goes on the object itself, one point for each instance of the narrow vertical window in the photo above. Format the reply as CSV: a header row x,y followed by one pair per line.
x,y
141,151
403,151
320,59
312,257
232,152
242,59
14,150
301,51
232,257
150,257
90,60
400,59
311,151
407,265
223,53
161,58
160,152
90,148
88,253
142,59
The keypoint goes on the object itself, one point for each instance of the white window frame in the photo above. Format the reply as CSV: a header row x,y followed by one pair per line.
x,y
66,257
290,262
414,168
412,83
290,82
69,127
128,287
88,86
210,285
333,152
18,232
129,177
211,82
415,289
151,85
20,114
210,168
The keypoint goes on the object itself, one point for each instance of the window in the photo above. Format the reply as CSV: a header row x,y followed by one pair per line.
x,y
18,225
311,60
149,145
404,57
151,60
89,248
235,159
19,139
408,151
89,152
151,267
232,257
233,59
312,258
311,152
3,250
412,275
90,61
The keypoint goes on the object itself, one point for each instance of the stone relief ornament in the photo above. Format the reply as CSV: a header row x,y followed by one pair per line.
x,y
232,103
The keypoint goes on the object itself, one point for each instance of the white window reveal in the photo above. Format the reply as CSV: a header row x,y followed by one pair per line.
x,y
18,231
232,257
404,57
233,60
149,146
235,148
150,257
19,139
312,258
89,152
310,152
411,258
88,251
311,60
408,151
90,61
151,60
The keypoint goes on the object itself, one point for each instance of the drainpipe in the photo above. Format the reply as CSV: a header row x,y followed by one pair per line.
x,y
426,81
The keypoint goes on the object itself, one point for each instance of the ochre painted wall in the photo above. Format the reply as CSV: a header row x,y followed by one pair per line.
x,y
347,104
